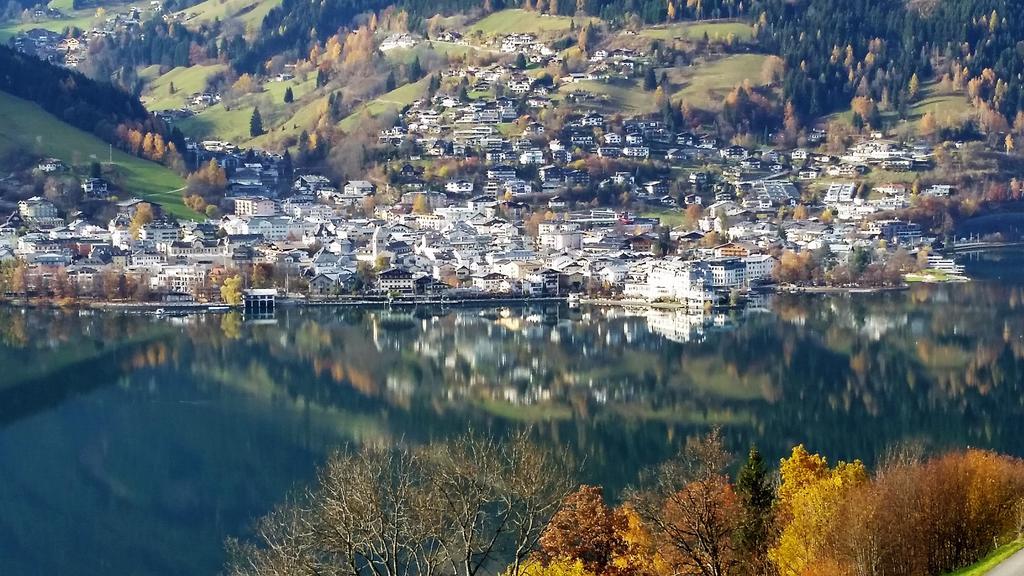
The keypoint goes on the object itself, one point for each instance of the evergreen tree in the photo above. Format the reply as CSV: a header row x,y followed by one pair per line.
x,y
289,97
415,69
757,496
255,123
521,61
650,79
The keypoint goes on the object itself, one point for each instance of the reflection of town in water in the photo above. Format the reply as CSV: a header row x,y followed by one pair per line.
x,y
807,366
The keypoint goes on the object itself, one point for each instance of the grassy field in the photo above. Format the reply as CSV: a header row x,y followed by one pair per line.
x,y
218,122
947,108
707,83
82,19
990,561
696,31
394,100
249,12
186,81
62,5
671,217
617,96
426,49
233,124
516,20
29,128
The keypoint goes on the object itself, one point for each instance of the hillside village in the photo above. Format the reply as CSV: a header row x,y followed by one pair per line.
x,y
602,202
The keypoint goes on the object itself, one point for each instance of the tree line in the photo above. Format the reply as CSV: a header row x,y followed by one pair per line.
x,y
476,505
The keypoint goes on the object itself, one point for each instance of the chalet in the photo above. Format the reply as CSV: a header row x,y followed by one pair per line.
x,y
734,153
96,187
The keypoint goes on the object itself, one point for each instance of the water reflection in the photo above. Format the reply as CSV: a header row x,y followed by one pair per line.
x,y
133,444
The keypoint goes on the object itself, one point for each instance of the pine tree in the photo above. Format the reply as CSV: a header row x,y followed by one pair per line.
x,y
415,69
650,80
256,123
289,97
756,498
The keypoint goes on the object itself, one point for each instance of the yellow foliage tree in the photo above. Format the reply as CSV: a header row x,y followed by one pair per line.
x,y
556,568
810,501
231,290
143,215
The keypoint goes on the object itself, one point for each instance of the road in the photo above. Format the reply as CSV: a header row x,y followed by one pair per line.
x,y
1012,566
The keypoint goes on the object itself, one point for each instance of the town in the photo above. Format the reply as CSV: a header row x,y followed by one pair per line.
x,y
510,178
323,240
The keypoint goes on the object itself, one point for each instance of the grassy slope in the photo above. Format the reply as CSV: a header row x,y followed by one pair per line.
x,y
233,125
28,127
706,84
289,121
246,11
186,81
696,30
945,108
516,20
616,96
989,562
83,19
394,100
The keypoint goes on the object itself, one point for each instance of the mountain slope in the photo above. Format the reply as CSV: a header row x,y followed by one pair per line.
x,y
27,127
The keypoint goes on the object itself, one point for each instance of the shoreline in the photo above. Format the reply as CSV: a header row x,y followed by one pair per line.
x,y
214,307
837,289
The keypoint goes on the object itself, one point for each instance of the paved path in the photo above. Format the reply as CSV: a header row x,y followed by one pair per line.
x,y
1012,566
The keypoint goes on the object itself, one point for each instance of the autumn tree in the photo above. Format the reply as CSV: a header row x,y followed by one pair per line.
x,y
143,215
62,286
585,529
809,502
420,204
693,214
927,126
231,290
692,509
913,87
209,181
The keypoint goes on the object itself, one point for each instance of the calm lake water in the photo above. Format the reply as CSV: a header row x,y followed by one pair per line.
x,y
135,445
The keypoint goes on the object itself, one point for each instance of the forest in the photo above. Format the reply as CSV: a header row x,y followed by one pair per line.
x,y
884,50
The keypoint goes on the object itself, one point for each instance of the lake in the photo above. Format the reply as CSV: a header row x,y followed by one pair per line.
x,y
131,444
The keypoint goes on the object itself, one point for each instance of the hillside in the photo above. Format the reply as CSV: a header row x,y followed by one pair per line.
x,y
186,81
27,127
248,12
